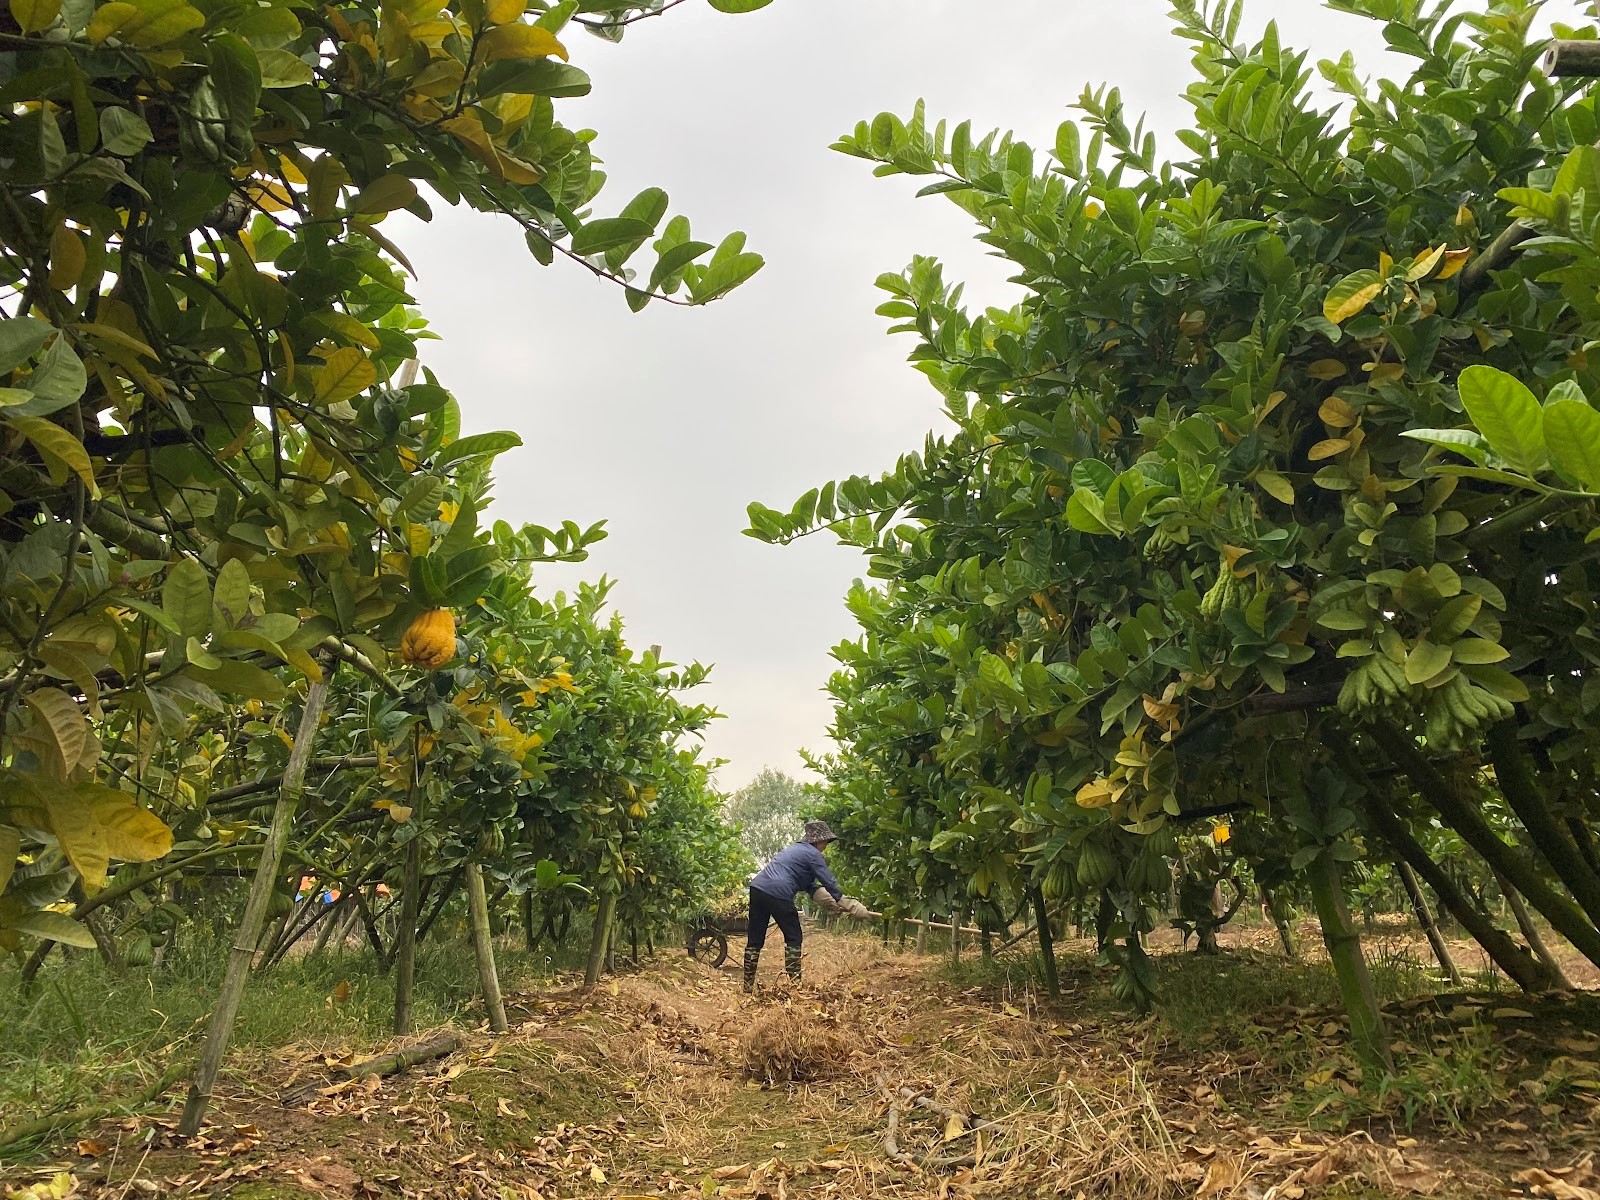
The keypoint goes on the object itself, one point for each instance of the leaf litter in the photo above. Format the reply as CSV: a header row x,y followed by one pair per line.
x,y
874,1078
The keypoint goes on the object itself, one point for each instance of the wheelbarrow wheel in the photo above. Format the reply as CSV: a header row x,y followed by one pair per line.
x,y
708,946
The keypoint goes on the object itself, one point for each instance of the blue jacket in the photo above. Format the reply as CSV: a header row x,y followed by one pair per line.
x,y
796,868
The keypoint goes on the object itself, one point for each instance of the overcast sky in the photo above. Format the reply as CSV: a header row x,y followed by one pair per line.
x,y
667,423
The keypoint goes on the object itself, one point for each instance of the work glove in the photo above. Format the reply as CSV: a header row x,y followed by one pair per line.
x,y
853,907
825,902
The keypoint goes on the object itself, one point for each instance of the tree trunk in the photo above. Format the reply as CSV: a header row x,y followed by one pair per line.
x,y
922,937
405,942
1419,904
369,922
483,949
530,938
1522,792
957,920
985,938
603,912
1047,945
1518,965
104,942
1530,933
335,920
220,1028
1367,1032
1465,818
1280,921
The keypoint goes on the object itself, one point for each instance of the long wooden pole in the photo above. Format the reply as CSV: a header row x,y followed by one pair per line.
x,y
483,949
405,975
220,1028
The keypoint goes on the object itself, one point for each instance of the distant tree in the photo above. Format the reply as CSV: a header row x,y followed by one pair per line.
x,y
767,811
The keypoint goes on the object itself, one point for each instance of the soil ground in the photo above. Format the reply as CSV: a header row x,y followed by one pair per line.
x,y
889,1074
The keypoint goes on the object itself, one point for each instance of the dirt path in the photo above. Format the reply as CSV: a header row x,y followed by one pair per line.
x,y
874,1078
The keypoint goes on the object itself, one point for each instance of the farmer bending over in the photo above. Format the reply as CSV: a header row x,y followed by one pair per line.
x,y
794,869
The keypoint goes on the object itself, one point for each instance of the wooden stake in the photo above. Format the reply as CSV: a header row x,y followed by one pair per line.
x,y
483,949
220,1028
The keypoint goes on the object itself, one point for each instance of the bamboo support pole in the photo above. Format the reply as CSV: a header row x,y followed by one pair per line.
x,y
220,1028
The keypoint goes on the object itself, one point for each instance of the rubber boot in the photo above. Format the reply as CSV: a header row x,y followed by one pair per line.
x,y
752,960
791,962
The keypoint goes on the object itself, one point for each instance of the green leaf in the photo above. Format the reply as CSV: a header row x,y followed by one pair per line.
x,y
53,927
533,77
186,598
1464,442
1478,652
739,6
281,69
1085,512
384,195
200,656
20,340
1455,618
122,132
35,16
10,847
1276,486
730,266
240,679
231,602
1508,416
1425,661
477,445
601,235
57,381
1499,681
1572,438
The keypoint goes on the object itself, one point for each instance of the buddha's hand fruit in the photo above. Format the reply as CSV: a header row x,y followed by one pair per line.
x,y
430,641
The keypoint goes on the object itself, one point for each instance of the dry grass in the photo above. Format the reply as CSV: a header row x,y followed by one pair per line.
x,y
783,1046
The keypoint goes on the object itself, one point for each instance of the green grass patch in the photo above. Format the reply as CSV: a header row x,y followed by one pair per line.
x,y
84,1033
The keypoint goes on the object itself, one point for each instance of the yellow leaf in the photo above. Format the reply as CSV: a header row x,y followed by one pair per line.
x,y
35,15
1326,368
1275,399
1328,448
144,23
500,12
1385,263
67,257
469,130
954,1126
1276,486
1385,372
1337,413
1454,260
108,18
519,41
347,327
324,179
442,77
62,453
59,729
596,1174
345,373
132,833
1425,263
1355,303
1097,793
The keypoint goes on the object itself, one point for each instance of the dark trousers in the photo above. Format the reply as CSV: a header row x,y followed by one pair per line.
x,y
765,909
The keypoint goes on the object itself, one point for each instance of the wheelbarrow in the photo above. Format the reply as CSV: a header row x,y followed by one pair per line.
x,y
708,937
